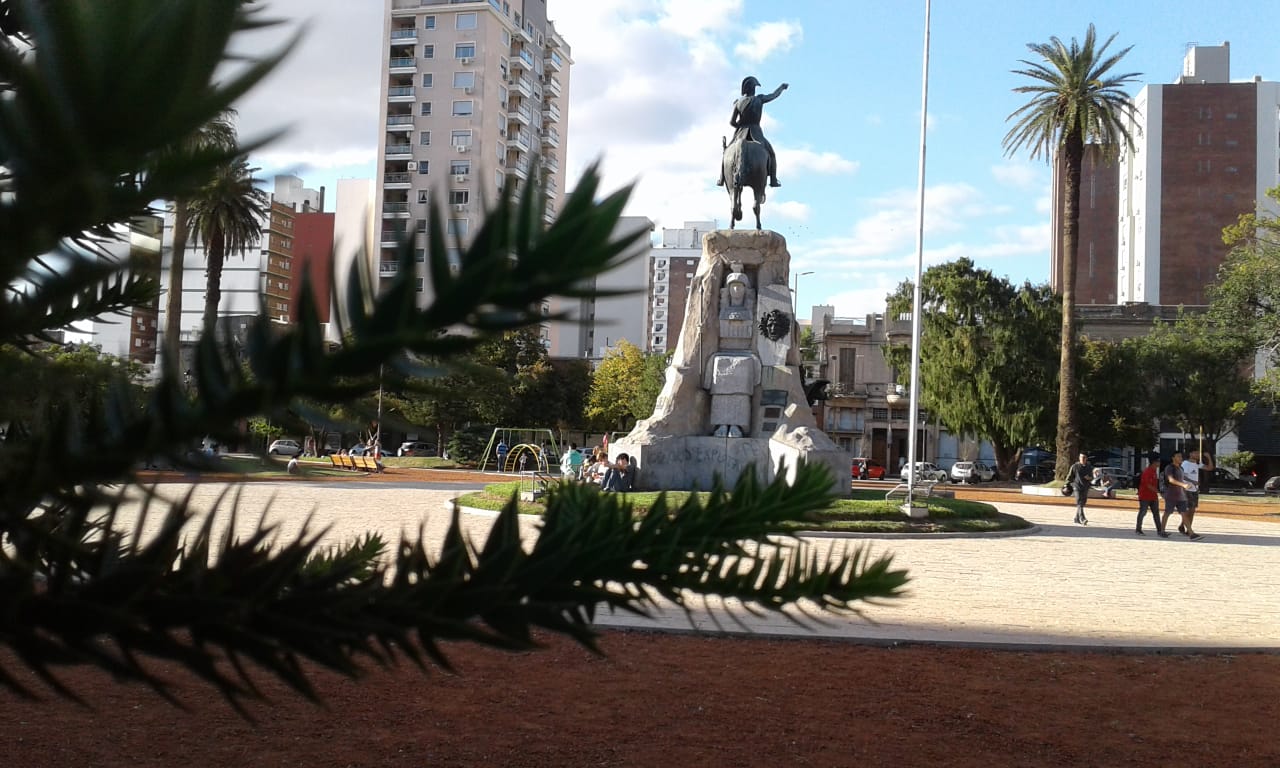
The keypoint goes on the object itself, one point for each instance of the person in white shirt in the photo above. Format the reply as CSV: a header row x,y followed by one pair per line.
x,y
1191,470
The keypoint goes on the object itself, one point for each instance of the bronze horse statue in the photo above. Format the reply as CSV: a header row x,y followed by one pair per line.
x,y
745,164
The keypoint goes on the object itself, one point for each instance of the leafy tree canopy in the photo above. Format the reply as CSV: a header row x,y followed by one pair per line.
x,y
988,356
1246,296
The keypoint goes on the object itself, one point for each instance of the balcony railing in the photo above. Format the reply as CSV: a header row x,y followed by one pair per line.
x,y
554,60
395,207
398,91
400,62
388,268
553,85
399,119
395,178
407,33
551,113
551,137
399,149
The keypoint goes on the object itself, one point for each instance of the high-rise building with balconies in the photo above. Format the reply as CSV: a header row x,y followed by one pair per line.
x,y
474,100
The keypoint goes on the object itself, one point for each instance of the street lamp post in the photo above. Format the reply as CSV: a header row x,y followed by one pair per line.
x,y
795,294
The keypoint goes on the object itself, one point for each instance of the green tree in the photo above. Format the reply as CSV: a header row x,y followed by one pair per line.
x,y
1075,100
617,389
1246,295
227,214
986,358
77,124
1115,395
1199,372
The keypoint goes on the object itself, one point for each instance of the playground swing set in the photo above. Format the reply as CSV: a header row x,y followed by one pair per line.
x,y
527,450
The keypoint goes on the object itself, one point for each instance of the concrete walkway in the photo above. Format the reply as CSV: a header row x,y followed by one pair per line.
x,y
1060,586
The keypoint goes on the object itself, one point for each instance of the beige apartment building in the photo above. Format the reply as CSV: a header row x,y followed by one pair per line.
x,y
474,99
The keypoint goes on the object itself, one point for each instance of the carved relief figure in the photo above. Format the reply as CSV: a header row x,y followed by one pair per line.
x,y
733,372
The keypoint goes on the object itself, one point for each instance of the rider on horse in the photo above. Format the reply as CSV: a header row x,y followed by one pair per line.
x,y
747,112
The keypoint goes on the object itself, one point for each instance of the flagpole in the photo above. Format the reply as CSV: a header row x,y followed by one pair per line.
x,y
913,415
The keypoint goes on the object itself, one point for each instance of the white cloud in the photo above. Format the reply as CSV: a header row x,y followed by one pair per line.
x,y
696,19
817,162
1020,175
768,38
789,209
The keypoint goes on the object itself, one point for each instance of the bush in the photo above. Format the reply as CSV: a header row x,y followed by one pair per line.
x,y
467,445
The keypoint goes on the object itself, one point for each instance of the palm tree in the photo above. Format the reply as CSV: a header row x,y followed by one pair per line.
x,y
218,133
1074,101
226,214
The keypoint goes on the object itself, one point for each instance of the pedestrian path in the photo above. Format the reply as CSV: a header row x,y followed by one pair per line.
x,y
1064,585
1061,586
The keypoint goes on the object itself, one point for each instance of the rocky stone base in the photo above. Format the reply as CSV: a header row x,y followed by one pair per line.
x,y
693,463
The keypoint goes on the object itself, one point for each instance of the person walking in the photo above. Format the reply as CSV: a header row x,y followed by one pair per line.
x,y
571,463
1175,497
1149,495
1080,477
502,450
1191,473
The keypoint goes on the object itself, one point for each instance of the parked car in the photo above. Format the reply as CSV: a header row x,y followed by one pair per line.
x,y
359,449
416,448
1034,473
867,469
1119,478
1221,477
284,447
972,472
923,470
1272,486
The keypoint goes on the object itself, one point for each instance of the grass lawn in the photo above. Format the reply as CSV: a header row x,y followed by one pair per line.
x,y
420,462
276,467
865,512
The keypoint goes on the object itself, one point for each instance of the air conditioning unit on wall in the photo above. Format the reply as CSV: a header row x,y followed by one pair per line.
x,y
460,207
413,165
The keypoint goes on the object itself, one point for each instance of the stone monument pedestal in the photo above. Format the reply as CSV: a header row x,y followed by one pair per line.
x,y
733,400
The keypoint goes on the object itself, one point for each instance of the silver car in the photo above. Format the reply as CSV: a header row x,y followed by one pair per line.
x,y
285,447
971,472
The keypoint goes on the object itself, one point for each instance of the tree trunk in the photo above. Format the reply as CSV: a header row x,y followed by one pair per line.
x,y
1068,442
215,252
177,265
1007,458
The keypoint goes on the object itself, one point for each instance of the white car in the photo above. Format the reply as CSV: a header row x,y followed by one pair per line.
x,y
972,472
923,470
285,447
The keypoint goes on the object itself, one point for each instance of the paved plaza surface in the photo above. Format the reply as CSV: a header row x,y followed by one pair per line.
x,y
1060,585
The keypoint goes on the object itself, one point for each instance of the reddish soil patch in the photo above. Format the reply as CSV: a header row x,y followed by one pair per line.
x,y
678,700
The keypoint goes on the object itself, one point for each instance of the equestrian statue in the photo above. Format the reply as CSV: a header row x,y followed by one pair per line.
x,y
748,159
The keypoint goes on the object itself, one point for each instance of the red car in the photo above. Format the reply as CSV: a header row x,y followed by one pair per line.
x,y
867,469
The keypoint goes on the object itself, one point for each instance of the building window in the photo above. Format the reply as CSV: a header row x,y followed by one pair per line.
x,y
422,195
464,108
460,138
459,167
419,254
424,138
459,197
426,109
426,80
464,51
465,21
422,226
464,79
428,22
880,414
428,51
458,227
419,285
423,165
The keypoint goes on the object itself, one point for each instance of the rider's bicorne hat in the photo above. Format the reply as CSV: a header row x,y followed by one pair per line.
x,y
748,84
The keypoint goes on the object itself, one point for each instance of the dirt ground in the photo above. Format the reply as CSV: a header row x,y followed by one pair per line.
x,y
682,700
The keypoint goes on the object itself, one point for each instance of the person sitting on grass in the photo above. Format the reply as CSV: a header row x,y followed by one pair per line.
x,y
617,478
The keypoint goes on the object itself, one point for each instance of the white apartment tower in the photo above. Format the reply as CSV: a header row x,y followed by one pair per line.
x,y
474,97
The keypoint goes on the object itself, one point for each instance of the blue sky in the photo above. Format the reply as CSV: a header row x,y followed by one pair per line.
x,y
654,80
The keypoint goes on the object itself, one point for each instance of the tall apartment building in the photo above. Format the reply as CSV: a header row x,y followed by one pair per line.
x,y
131,333
595,325
1206,150
474,99
671,273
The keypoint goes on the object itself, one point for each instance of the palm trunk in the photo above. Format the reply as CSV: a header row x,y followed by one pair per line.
x,y
215,249
177,265
1068,442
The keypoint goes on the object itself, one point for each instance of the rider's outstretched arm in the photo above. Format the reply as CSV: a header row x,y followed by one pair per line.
x,y
776,93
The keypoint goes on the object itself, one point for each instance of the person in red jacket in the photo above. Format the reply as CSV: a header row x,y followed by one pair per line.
x,y
1149,495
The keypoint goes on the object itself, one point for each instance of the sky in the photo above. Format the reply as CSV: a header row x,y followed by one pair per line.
x,y
652,88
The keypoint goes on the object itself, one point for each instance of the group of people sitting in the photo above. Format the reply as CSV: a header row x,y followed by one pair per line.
x,y
613,476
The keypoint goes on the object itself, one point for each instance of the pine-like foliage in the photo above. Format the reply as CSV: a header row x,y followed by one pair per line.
x,y
96,106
